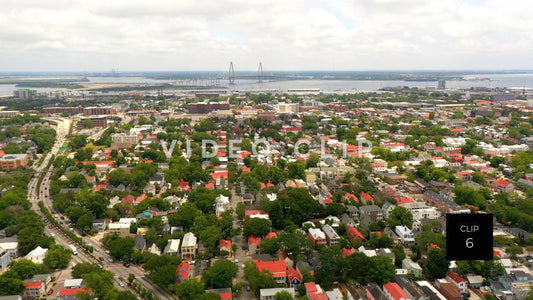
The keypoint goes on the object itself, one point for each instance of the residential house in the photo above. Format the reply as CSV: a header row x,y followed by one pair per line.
x,y
72,294
318,236
189,246
374,292
474,281
34,289
412,267
122,229
448,289
369,214
225,245
502,185
37,255
294,277
221,204
270,294
224,293
345,218
277,268
140,243
354,234
77,283
405,234
313,291
394,292
387,209
172,247
183,272
99,225
5,259
460,282
253,243
387,253
332,238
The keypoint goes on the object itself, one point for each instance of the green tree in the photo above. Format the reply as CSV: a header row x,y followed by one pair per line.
x,y
220,274
185,215
122,248
11,286
465,194
210,237
84,268
400,216
240,210
382,270
57,258
295,242
437,265
23,269
514,250
283,295
270,246
296,170
190,289
256,226
164,276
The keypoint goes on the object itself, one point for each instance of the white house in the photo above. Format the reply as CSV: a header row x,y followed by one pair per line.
x,y
221,205
405,234
37,255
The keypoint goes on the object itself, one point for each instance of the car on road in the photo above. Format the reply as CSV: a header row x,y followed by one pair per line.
x,y
121,284
126,264
51,226
51,291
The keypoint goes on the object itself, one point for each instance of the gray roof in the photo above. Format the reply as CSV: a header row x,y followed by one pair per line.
x,y
140,242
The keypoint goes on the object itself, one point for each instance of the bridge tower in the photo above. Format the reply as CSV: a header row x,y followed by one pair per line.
x,y
260,73
231,74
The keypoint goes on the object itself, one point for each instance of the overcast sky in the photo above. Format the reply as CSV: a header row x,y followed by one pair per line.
x,y
129,35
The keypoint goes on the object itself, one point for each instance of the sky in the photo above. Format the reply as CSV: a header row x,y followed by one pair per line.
x,y
189,35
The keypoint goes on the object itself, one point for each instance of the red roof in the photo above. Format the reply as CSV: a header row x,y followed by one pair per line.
x,y
433,246
455,277
310,287
405,200
320,296
255,212
354,233
183,271
293,273
254,240
245,170
73,292
346,252
30,285
395,290
351,196
502,182
218,175
210,186
224,244
183,184
278,268
226,295
128,199
271,234
99,163
366,196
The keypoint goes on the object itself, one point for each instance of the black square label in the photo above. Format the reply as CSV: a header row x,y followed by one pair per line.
x,y
469,237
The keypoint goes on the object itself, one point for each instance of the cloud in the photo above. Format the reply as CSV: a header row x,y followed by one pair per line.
x,y
205,35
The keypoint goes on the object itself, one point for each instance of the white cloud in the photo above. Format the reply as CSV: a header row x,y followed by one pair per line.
x,y
206,35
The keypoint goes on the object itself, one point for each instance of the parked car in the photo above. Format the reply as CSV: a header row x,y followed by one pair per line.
x,y
51,291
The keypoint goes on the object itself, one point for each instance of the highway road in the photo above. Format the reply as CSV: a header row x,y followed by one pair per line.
x,y
99,254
